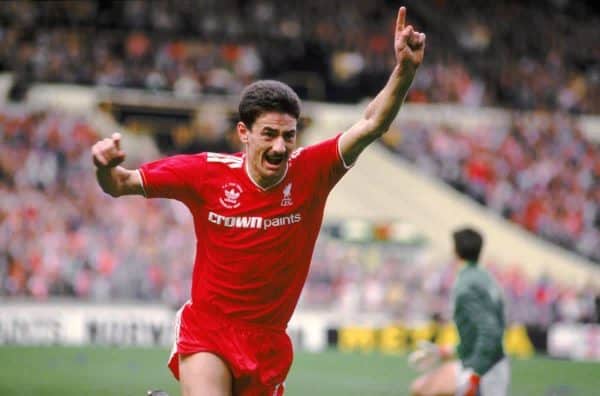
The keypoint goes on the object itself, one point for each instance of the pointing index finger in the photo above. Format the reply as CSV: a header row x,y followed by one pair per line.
x,y
401,19
116,137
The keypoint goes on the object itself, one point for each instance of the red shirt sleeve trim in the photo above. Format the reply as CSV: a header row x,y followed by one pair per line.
x,y
339,152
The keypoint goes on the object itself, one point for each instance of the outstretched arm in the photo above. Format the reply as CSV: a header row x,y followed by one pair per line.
x,y
114,180
409,47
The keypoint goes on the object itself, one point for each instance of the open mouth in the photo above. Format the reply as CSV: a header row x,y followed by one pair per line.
x,y
274,160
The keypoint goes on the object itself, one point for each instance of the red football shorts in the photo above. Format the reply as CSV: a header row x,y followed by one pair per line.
x,y
259,357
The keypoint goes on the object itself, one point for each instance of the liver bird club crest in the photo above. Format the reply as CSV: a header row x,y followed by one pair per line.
x,y
287,195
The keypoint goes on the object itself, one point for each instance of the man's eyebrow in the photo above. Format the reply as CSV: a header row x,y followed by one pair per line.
x,y
271,129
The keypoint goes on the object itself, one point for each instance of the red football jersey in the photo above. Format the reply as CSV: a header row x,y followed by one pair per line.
x,y
254,246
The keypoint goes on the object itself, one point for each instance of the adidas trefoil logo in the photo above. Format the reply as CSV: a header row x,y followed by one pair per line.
x,y
231,196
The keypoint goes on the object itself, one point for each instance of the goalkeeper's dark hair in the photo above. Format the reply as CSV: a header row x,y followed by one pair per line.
x,y
265,96
467,244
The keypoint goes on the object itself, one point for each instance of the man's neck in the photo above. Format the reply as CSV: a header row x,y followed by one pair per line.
x,y
262,182
467,263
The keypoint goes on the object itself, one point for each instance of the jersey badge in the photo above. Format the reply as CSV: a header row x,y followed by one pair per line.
x,y
287,196
231,195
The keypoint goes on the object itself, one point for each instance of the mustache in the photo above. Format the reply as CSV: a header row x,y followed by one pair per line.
x,y
276,155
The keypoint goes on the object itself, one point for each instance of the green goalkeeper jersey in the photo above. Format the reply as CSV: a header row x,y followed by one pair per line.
x,y
479,317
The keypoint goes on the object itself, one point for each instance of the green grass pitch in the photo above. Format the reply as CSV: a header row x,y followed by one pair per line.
x,y
62,371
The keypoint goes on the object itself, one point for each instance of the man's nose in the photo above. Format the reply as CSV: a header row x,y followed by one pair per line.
x,y
279,145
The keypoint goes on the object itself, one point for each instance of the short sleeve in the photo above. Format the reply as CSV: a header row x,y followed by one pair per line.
x,y
326,157
172,177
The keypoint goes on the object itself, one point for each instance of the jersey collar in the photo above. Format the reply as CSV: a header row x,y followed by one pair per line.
x,y
287,166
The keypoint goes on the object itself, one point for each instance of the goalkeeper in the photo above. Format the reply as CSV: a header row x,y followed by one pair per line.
x,y
478,310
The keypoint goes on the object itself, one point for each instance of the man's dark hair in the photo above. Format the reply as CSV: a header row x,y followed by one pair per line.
x,y
467,244
267,95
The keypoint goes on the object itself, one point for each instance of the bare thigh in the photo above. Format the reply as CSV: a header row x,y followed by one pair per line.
x,y
438,382
204,374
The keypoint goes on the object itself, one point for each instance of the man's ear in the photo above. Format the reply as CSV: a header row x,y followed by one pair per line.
x,y
242,132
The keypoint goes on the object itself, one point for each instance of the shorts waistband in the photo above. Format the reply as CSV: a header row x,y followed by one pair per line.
x,y
210,309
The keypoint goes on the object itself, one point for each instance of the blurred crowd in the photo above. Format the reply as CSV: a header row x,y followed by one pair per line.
x,y
522,54
540,172
60,235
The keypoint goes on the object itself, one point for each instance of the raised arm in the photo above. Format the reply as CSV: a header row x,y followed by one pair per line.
x,y
409,47
114,180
